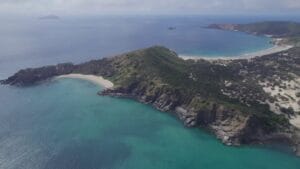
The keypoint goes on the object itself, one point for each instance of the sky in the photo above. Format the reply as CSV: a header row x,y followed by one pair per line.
x,y
98,7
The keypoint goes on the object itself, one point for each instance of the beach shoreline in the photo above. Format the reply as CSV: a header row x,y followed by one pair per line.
x,y
98,80
268,51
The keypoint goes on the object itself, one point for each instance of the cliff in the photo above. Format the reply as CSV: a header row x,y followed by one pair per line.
x,y
225,97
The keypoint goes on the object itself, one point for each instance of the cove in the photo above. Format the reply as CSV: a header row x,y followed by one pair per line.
x,y
65,124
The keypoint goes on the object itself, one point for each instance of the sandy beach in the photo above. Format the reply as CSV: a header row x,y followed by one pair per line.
x,y
274,49
98,80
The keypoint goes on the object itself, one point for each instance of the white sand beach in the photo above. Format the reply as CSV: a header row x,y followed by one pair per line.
x,y
98,80
274,49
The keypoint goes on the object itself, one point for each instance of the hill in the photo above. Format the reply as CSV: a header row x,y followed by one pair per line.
x,y
285,32
272,28
228,98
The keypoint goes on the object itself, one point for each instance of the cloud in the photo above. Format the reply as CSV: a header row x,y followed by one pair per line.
x,y
148,6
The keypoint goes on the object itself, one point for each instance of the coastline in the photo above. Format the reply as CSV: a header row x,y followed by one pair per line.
x,y
268,51
169,98
98,80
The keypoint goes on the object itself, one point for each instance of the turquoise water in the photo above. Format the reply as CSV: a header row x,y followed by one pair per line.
x,y
226,48
64,124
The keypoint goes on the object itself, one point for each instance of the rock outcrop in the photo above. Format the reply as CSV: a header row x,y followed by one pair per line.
x,y
222,96
32,75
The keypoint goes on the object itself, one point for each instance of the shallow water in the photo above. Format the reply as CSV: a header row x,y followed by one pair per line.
x,y
65,124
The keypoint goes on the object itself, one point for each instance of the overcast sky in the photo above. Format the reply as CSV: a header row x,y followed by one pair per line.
x,y
98,7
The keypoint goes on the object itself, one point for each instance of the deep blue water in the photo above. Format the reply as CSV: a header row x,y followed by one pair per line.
x,y
64,124
30,42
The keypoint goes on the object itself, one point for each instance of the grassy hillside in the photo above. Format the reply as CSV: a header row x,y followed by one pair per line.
x,y
223,96
157,71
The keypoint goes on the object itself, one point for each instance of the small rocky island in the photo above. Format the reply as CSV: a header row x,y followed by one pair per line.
x,y
242,101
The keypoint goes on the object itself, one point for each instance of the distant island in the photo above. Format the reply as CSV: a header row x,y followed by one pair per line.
x,y
49,17
171,28
241,101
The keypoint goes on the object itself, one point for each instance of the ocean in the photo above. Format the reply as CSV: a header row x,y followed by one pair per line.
x,y
31,42
64,124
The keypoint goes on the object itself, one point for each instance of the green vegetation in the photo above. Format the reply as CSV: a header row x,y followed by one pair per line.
x,y
293,41
156,71
275,28
288,31
207,93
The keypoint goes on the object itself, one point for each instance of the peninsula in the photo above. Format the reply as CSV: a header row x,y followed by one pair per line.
x,y
283,32
241,101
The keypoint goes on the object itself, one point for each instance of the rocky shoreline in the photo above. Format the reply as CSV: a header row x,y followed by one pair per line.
x,y
231,127
200,93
